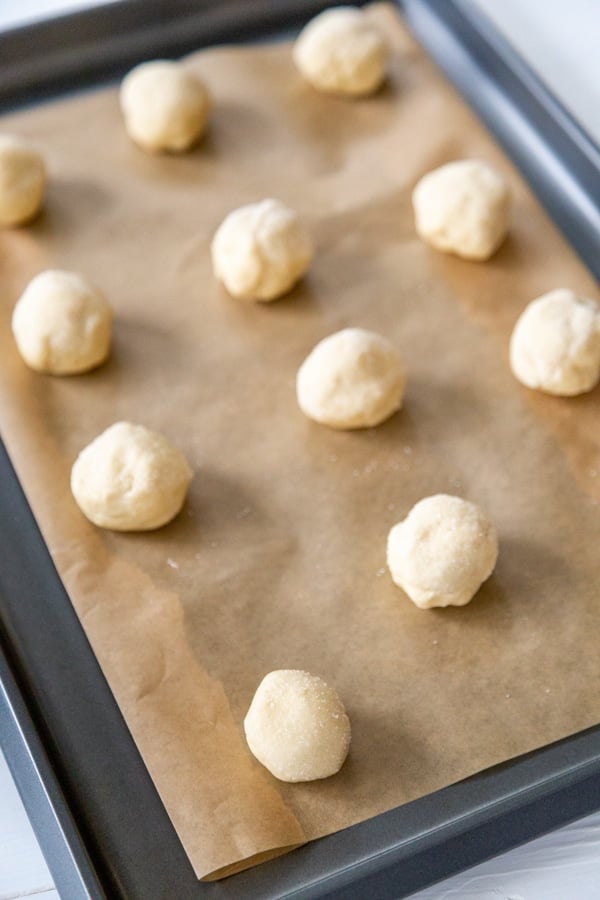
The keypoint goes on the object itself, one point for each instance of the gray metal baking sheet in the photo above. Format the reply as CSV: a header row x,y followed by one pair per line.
x,y
99,819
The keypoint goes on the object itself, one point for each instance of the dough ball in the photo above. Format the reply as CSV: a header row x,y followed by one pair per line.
x,y
463,208
442,552
22,180
342,51
297,726
61,324
352,379
165,106
555,345
130,479
261,250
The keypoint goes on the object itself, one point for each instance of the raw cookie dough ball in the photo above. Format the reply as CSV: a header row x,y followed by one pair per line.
x,y
342,51
260,251
61,324
463,208
555,345
130,479
352,379
22,180
442,552
297,726
165,106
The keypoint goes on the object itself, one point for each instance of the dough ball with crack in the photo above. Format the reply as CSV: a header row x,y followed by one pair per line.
x,y
555,344
165,106
463,208
130,479
62,325
351,379
442,552
261,250
297,726
22,180
342,51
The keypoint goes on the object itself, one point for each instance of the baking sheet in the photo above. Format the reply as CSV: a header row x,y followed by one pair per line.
x,y
280,506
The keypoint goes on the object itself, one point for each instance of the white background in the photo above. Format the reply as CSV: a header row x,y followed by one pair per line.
x,y
561,39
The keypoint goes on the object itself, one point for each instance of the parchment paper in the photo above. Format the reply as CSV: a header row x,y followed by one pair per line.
x,y
278,559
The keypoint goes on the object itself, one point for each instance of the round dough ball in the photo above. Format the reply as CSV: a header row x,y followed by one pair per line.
x,y
463,208
22,180
342,51
260,251
555,345
130,479
61,324
352,379
442,552
164,105
297,726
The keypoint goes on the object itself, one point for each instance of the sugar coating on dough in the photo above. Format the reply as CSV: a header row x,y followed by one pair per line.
x,y
297,726
261,250
62,325
22,180
463,208
555,344
130,479
165,106
442,552
351,379
342,51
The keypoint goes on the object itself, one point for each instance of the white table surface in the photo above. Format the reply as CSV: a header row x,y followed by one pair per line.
x,y
562,40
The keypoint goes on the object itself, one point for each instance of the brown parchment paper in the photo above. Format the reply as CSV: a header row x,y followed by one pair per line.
x,y
278,558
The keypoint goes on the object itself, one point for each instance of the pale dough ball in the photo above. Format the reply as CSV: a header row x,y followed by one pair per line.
x,y
22,180
555,345
130,479
442,552
463,208
164,105
61,324
260,251
351,379
342,51
297,726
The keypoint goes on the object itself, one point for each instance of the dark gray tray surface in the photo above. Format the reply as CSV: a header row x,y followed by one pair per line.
x,y
99,819
102,43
